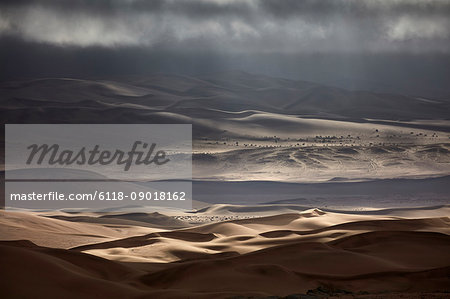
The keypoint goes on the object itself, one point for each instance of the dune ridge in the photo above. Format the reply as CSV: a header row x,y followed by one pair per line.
x,y
313,251
282,130
301,189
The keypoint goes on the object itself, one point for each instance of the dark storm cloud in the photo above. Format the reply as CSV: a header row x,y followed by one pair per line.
x,y
355,8
281,8
400,46
425,75
248,26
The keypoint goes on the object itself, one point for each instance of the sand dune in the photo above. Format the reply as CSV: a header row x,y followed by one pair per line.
x,y
267,209
236,91
267,152
56,273
283,130
295,161
315,251
154,219
45,231
299,267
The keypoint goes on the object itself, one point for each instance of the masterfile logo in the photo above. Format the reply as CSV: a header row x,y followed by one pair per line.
x,y
98,166
52,154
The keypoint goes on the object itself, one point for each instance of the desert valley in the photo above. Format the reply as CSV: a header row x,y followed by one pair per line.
x,y
294,194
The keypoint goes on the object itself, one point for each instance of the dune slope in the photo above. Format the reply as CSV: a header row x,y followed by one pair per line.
x,y
315,251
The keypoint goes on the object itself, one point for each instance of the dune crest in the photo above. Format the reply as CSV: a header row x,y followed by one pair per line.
x,y
313,251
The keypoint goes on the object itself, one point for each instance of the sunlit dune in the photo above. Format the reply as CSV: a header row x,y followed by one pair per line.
x,y
311,250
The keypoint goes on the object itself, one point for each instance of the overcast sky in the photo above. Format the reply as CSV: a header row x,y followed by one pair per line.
x,y
78,32
284,26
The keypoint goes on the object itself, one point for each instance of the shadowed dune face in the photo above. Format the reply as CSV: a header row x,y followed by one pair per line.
x,y
231,92
329,253
277,129
56,273
266,152
65,231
